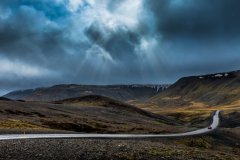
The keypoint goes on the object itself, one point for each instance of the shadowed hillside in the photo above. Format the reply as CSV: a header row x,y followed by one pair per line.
x,y
95,100
85,114
59,92
4,99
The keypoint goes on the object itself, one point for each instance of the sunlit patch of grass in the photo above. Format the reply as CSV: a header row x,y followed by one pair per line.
x,y
17,124
188,116
191,107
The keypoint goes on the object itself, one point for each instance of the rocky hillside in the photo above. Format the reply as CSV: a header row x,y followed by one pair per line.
x,y
59,92
213,89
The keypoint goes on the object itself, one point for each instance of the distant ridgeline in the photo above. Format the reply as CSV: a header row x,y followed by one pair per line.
x,y
59,92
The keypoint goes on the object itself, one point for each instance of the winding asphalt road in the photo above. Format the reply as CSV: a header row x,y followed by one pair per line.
x,y
214,125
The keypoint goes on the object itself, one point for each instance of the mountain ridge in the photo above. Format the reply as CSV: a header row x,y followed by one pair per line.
x,y
65,91
211,89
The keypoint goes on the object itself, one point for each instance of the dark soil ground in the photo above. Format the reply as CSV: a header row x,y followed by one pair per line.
x,y
208,147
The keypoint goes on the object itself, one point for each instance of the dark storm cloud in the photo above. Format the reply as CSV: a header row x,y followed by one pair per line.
x,y
198,18
24,35
45,42
29,35
120,44
201,36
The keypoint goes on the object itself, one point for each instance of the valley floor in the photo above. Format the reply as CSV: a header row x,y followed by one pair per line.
x,y
196,148
108,116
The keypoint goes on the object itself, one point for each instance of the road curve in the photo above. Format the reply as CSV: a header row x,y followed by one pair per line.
x,y
214,125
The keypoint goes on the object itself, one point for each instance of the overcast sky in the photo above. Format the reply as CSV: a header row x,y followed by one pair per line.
x,y
46,42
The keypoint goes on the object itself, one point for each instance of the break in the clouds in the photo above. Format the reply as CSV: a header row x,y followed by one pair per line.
x,y
45,42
